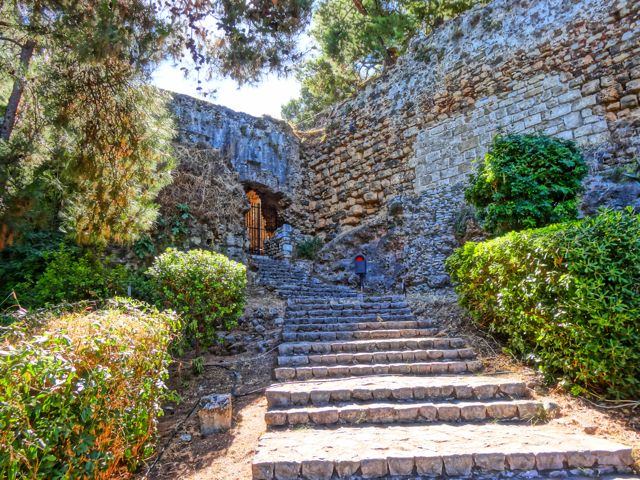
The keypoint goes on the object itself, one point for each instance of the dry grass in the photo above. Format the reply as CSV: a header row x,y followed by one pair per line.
x,y
206,182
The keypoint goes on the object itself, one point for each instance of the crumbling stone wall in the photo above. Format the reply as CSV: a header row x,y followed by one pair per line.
x,y
564,68
263,151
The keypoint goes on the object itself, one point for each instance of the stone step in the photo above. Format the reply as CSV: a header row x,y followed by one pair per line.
x,y
357,335
350,312
378,345
353,326
315,296
355,319
431,450
363,300
414,412
348,308
395,387
285,374
391,356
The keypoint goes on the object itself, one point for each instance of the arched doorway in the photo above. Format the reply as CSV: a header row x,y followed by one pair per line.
x,y
262,221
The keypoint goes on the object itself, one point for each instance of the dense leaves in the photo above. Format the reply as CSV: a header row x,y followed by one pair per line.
x,y
80,391
206,287
567,296
47,271
527,181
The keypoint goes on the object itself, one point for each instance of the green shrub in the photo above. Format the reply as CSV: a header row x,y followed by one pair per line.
x,y
72,275
45,275
567,295
308,248
527,181
207,288
22,263
80,391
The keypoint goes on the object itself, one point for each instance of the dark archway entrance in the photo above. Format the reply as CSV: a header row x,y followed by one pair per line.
x,y
262,221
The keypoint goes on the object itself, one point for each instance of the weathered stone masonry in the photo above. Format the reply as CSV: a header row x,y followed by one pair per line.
x,y
564,68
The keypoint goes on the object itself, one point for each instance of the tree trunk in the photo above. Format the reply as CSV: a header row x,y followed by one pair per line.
x,y
9,121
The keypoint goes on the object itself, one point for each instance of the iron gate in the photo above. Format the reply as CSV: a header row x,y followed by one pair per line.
x,y
261,225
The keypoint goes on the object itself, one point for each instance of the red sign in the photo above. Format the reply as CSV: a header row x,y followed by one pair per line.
x,y
359,258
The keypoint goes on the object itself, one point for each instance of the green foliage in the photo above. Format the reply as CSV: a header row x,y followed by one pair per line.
x,y
72,275
308,248
207,288
567,295
356,41
80,391
48,271
24,262
527,181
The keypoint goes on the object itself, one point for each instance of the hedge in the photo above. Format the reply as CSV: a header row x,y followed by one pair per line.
x,y
567,296
80,391
205,287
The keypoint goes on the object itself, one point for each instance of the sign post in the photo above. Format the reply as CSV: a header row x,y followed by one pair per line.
x,y
360,268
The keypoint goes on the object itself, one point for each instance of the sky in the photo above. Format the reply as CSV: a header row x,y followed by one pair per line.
x,y
265,98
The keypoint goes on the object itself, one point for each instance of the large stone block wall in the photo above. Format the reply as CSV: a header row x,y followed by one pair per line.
x,y
569,69
565,68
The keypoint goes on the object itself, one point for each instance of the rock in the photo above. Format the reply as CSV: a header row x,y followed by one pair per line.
x,y
185,437
552,409
590,429
215,414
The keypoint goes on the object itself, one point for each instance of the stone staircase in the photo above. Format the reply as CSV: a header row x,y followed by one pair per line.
x,y
369,391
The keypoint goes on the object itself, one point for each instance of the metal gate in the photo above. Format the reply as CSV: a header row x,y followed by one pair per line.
x,y
261,225
253,220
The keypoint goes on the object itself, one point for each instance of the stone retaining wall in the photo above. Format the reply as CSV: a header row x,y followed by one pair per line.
x,y
569,69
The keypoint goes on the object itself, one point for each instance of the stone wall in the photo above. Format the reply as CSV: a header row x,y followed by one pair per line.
x,y
569,69
263,151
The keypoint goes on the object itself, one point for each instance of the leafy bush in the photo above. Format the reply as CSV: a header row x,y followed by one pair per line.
x,y
567,295
527,181
80,391
44,274
308,248
72,275
206,287
24,262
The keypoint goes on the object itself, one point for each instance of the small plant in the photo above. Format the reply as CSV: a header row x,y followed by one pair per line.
x,y
308,249
206,287
144,247
197,366
527,181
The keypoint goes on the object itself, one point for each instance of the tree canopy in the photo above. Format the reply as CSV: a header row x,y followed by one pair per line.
x,y
356,40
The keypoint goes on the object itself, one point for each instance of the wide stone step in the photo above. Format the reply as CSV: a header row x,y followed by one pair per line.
x,y
430,450
363,300
284,374
391,356
344,319
378,345
315,296
353,326
347,309
395,387
414,412
357,335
